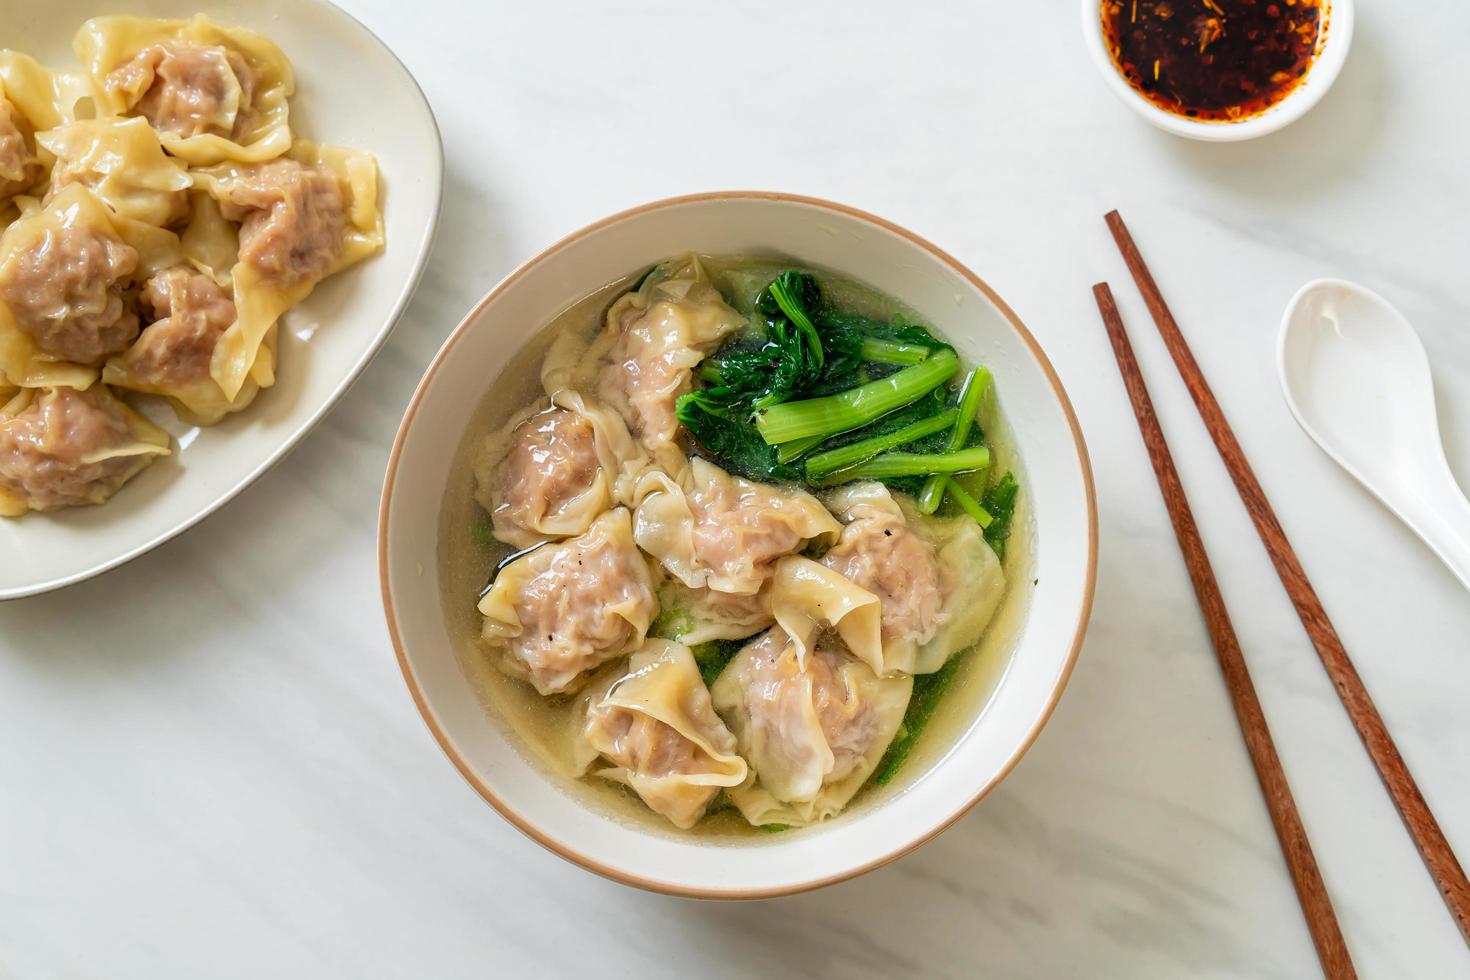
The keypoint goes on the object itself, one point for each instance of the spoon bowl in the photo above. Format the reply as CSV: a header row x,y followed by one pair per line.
x,y
1357,379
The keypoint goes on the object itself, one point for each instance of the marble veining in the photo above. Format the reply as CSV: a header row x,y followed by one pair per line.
x,y
212,766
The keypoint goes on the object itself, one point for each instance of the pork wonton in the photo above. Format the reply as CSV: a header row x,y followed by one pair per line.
x,y
725,532
64,270
122,162
214,93
653,338
61,447
568,607
656,727
811,728
551,470
302,218
184,314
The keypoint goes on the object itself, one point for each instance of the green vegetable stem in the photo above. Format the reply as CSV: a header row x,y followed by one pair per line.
x,y
833,414
972,393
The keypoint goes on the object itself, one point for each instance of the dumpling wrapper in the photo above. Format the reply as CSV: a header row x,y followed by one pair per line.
x,y
569,607
258,302
812,731
695,616
210,246
104,44
568,377
551,469
129,442
210,242
197,399
123,163
21,360
715,530
808,598
889,540
655,723
973,583
33,98
45,97
653,338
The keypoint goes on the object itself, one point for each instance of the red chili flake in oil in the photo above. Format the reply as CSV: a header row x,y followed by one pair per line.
x,y
1217,60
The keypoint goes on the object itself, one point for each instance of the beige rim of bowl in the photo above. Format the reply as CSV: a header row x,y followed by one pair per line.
x,y
589,863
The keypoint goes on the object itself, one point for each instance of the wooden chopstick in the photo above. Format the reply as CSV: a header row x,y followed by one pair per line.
x,y
1310,890
1438,857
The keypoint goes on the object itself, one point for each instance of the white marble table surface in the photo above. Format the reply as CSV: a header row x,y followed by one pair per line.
x,y
211,767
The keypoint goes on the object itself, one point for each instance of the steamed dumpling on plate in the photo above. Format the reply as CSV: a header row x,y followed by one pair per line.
x,y
33,98
123,163
185,313
303,217
157,219
64,270
61,447
213,92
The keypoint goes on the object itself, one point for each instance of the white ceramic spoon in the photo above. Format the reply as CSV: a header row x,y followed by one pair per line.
x,y
1357,379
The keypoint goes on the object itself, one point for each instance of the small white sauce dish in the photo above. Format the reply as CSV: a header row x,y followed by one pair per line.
x,y
1052,587
1332,51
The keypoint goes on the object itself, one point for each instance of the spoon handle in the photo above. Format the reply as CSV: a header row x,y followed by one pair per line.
x,y
1442,520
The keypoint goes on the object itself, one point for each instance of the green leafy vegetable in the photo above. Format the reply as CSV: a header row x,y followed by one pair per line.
x,y
796,448
817,394
792,294
670,624
831,414
1000,503
969,504
972,393
820,465
745,375
714,656
893,351
887,466
832,321
809,349
927,690
733,442
482,534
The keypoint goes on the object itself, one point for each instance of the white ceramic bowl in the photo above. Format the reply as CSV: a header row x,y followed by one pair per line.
x,y
350,90
1332,50
1056,477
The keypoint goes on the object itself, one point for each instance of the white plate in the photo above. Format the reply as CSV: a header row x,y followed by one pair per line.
x,y
350,89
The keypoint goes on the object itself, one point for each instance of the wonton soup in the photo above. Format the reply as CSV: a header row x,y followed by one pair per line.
x,y
730,546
